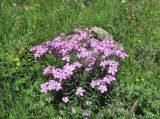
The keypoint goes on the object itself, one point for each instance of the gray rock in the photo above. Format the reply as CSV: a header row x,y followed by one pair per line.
x,y
101,33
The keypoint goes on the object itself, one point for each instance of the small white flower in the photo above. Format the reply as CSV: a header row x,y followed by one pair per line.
x,y
73,110
123,1
88,103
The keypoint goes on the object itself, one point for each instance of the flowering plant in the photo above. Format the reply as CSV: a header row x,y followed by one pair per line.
x,y
89,55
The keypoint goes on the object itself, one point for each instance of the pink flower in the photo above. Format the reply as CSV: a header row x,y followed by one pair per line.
x,y
87,69
108,79
77,64
52,85
65,99
66,58
39,50
80,91
47,70
102,88
44,88
95,83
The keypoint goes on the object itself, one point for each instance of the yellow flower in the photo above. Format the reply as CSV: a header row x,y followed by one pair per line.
x,y
60,117
16,59
17,63
142,79
21,49
139,41
137,79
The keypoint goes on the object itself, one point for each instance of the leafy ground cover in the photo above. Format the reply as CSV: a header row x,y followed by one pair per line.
x,y
25,23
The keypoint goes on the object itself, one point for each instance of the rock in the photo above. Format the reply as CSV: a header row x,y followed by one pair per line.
x,y
100,33
82,3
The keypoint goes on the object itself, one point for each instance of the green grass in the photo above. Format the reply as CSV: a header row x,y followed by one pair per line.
x,y
24,23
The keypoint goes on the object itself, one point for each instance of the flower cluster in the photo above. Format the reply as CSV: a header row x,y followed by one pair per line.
x,y
62,74
51,85
89,50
